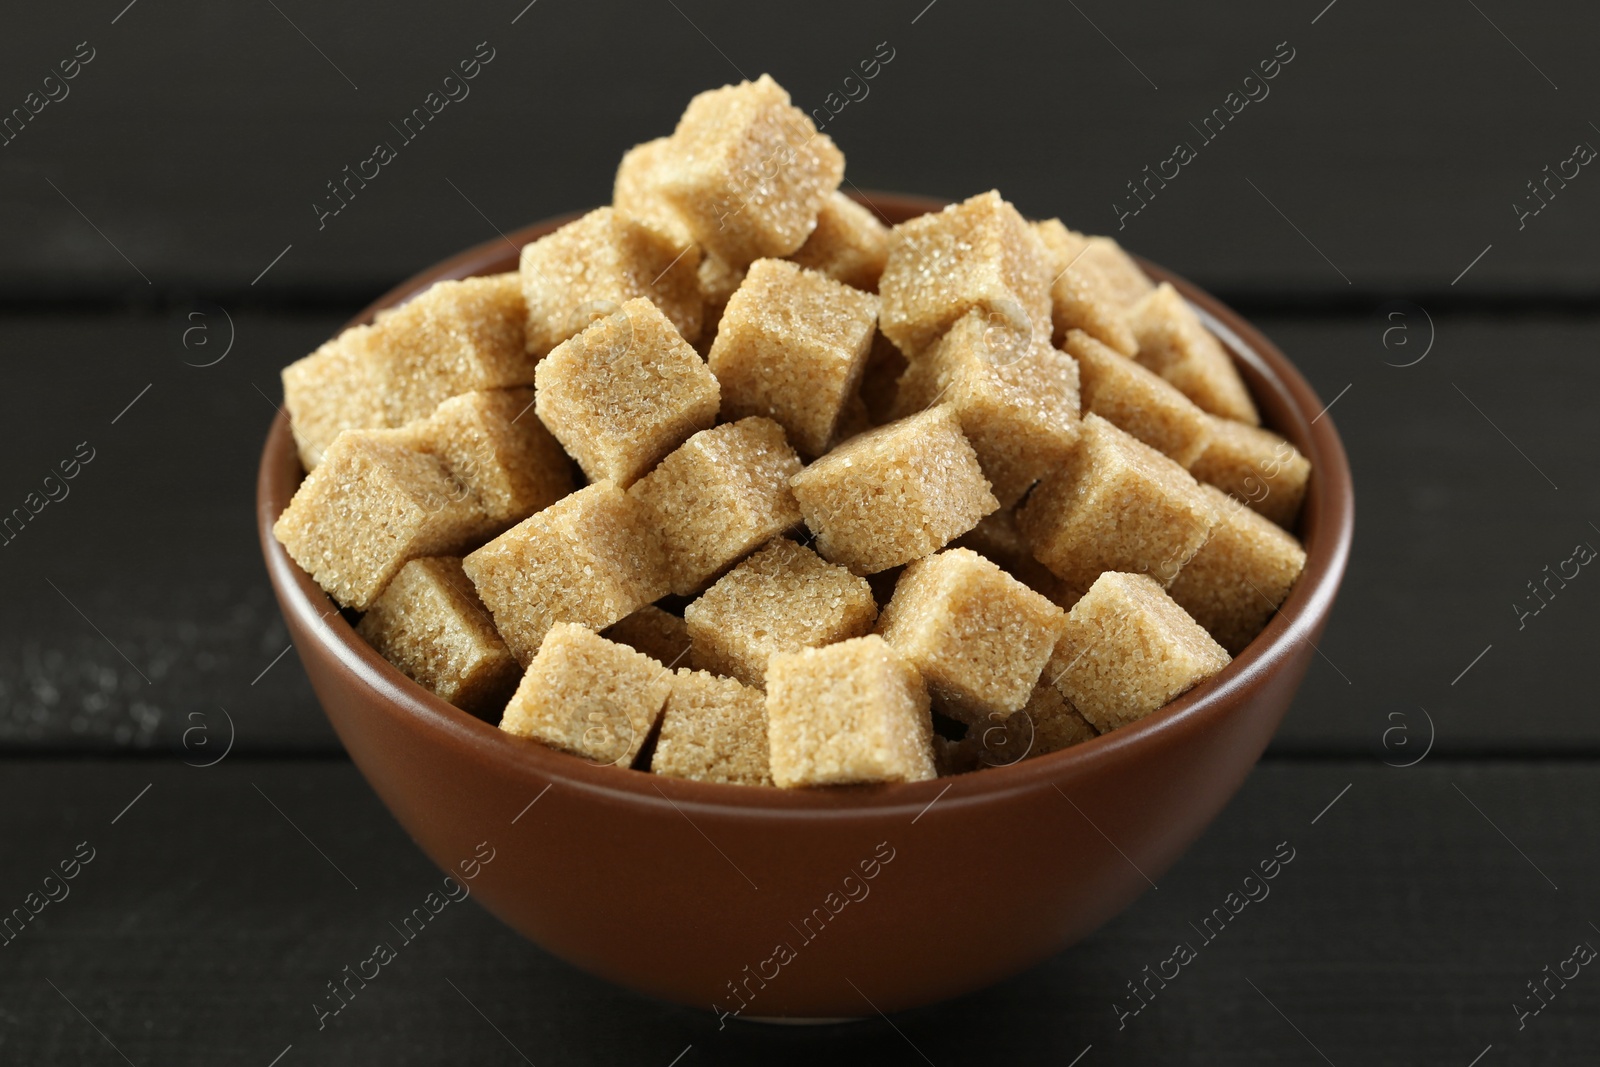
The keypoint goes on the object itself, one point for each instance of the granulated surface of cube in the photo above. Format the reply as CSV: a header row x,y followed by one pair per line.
x,y
1236,582
894,494
713,730
658,634
1134,398
329,391
1080,296
849,244
1175,344
722,494
783,598
851,712
1255,466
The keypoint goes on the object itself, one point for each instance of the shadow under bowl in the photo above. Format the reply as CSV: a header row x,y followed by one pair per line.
x,y
828,903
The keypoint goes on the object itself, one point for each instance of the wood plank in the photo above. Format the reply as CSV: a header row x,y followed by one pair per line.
x,y
1402,931
1387,152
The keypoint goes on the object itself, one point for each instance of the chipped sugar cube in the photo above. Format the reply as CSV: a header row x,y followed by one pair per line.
x,y
1116,505
1134,398
1080,296
722,494
625,392
978,636
847,713
978,254
658,634
1175,344
781,599
748,172
592,266
1255,466
1016,398
588,696
490,442
369,508
849,244
1127,649
430,624
589,558
330,391
894,494
791,346
713,730
1236,582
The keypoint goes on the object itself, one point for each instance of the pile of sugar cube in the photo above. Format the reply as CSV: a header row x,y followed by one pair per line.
x,y
732,481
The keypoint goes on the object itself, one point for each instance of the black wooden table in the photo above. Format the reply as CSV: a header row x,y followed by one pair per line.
x,y
1370,206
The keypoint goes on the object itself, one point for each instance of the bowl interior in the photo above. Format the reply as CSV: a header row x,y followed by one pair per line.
x,y
1289,406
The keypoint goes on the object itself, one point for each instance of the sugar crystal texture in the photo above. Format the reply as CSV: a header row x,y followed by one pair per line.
x,y
791,346
1016,398
637,189
658,634
781,599
624,393
978,254
332,390
490,442
1134,398
713,730
719,280
592,266
430,624
748,172
1047,723
849,244
1116,505
1175,344
588,696
1127,649
997,538
722,494
1082,297
894,494
978,636
369,508
1236,582
850,712
1255,466
589,558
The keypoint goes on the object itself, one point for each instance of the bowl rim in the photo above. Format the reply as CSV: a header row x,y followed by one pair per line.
x,y
1327,535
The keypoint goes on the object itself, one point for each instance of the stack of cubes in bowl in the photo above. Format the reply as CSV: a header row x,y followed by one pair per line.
x,y
732,482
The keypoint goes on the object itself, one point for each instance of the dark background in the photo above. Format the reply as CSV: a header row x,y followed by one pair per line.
x,y
1362,214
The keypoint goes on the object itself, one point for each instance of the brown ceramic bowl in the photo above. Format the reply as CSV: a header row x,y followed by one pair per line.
x,y
832,903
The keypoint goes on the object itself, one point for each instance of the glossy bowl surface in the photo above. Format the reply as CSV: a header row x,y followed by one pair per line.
x,y
777,903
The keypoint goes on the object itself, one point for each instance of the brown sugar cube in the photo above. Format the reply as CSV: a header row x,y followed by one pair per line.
x,y
589,558
332,390
1116,505
1175,344
490,442
624,393
849,244
369,508
791,345
1255,466
452,338
880,378
1237,580
719,280
748,172
978,636
637,190
722,494
1047,723
1080,297
997,539
979,254
713,730
588,696
592,266
1134,398
1100,260
850,712
658,634
1016,397
1127,649
431,625
894,494
781,599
